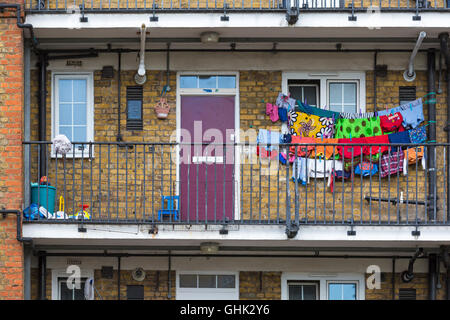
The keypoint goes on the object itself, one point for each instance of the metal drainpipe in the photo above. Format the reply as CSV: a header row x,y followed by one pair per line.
x,y
119,85
431,132
375,81
169,280
42,111
42,275
443,37
393,279
432,258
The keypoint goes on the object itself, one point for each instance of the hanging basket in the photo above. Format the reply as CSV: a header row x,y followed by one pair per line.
x,y
162,108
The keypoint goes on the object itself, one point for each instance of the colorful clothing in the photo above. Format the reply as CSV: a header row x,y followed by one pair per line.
x,y
282,114
411,112
373,153
418,135
399,137
366,169
356,128
353,115
302,151
284,101
303,107
272,112
391,163
392,123
305,125
325,151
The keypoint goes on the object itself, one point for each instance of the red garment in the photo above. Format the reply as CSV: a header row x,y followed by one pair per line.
x,y
392,123
302,151
346,151
372,150
263,153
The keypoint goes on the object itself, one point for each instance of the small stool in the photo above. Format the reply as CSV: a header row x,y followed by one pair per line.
x,y
169,207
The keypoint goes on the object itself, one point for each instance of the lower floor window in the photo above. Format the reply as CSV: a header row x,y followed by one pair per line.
x,y
71,292
303,290
207,286
341,291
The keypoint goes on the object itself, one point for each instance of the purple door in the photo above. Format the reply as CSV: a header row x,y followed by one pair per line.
x,y
206,171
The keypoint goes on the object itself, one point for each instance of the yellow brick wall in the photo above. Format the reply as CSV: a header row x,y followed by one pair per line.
x,y
255,87
255,285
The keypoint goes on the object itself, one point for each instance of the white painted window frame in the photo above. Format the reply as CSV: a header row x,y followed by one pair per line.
x,y
89,76
324,279
343,81
324,77
342,282
61,273
220,92
234,291
297,282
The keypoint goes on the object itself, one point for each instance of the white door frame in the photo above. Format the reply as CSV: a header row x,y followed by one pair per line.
x,y
219,92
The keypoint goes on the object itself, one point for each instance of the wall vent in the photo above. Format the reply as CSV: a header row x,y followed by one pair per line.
x,y
407,294
406,94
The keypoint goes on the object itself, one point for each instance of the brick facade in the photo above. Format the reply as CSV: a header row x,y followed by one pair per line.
x,y
11,165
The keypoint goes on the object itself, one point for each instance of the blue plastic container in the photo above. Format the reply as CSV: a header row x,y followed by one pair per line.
x,y
45,193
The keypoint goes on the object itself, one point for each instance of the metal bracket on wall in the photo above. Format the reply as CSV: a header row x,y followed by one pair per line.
x,y
352,17
415,233
351,232
225,17
154,18
83,18
81,228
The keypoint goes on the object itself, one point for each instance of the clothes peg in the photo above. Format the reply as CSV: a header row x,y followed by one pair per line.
x,y
410,106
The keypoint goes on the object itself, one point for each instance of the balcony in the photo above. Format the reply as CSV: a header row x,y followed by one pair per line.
x,y
133,183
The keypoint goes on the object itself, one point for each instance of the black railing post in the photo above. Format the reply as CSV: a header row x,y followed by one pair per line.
x,y
431,103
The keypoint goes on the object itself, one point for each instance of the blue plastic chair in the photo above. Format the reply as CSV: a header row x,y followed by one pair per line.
x,y
169,207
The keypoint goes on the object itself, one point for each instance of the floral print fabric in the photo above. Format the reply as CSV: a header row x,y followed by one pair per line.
x,y
305,125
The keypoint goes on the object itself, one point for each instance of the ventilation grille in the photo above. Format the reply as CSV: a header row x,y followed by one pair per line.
x,y
134,107
407,294
407,94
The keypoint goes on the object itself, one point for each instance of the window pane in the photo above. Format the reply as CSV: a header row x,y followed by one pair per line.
x,y
310,96
79,114
79,90
350,93
207,81
65,114
79,134
226,281
295,292
188,281
296,93
207,281
342,291
227,82
188,82
336,107
335,93
65,90
349,108
309,292
71,294
67,131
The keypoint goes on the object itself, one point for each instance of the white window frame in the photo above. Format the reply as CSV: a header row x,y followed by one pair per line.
x,y
204,293
89,76
323,279
61,273
324,78
303,91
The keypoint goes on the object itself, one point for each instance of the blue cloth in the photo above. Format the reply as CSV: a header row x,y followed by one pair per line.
x,y
398,137
299,170
266,137
285,138
282,114
418,135
366,169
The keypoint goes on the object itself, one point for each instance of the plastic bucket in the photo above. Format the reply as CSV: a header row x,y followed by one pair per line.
x,y
40,195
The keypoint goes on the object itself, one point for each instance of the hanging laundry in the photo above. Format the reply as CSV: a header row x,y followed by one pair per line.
x,y
373,153
285,138
366,169
303,107
272,112
324,151
392,123
299,170
302,124
356,128
418,135
412,156
412,113
355,115
302,151
284,101
283,114
304,169
268,142
336,176
391,163
399,137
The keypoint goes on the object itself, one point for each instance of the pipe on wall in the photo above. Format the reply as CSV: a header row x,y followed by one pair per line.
x,y
409,74
43,62
431,103
119,85
375,81
432,276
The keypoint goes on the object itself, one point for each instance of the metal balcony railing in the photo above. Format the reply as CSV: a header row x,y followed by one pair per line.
x,y
153,183
224,6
